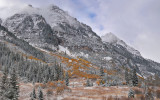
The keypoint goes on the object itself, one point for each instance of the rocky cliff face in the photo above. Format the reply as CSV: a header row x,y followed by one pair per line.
x,y
52,28
33,29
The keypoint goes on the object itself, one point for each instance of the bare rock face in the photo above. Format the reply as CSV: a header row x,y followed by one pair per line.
x,y
0,21
33,29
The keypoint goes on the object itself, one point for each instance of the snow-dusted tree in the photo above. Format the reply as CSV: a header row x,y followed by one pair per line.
x,y
87,82
101,71
131,93
4,85
40,94
149,94
61,73
134,78
67,79
14,88
33,94
126,76
0,22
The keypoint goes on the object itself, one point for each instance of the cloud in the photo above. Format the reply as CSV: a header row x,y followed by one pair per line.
x,y
9,7
149,44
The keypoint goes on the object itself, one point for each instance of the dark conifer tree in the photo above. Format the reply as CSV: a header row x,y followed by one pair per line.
x,y
14,88
4,85
131,93
40,94
101,71
33,94
126,76
67,79
134,78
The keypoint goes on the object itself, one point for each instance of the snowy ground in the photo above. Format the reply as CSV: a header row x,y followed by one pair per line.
x,y
78,92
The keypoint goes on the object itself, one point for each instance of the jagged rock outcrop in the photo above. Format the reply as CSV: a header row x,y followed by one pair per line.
x,y
33,29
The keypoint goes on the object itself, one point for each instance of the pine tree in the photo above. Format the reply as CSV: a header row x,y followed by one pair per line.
x,y
87,82
126,76
33,94
131,93
4,85
14,88
40,94
61,73
67,79
149,94
134,78
101,71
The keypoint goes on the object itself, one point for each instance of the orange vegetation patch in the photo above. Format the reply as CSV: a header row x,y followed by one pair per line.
x,y
79,67
33,58
99,82
51,85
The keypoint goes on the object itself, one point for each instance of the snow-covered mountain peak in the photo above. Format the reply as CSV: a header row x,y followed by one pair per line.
x,y
53,7
29,9
110,37
30,5
32,28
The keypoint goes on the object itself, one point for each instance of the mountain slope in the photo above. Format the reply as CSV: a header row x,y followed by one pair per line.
x,y
8,36
51,28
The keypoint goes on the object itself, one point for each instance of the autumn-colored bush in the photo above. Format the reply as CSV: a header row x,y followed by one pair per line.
x,y
139,85
136,91
118,98
60,90
104,98
84,84
124,83
149,94
51,85
123,98
41,85
140,96
158,94
67,89
110,98
49,91
99,82
61,82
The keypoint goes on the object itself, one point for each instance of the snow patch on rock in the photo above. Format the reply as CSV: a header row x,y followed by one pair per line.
x,y
74,55
107,58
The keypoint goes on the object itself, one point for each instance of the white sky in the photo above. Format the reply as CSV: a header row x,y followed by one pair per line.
x,y
137,22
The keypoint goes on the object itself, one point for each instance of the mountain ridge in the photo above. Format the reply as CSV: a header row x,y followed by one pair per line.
x,y
111,38
66,32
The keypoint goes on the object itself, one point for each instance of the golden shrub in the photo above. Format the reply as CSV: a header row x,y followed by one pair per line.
x,y
49,91
51,84
60,90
